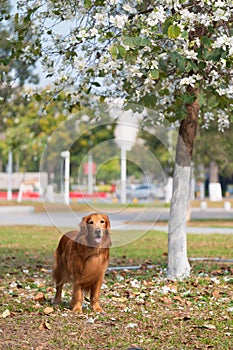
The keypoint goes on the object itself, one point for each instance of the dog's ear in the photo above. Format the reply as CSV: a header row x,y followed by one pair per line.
x,y
107,242
83,224
82,235
107,221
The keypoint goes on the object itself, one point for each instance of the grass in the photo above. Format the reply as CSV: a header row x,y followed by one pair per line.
x,y
142,308
82,206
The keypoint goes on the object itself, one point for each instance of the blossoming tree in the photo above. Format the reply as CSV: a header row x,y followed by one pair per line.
x,y
174,56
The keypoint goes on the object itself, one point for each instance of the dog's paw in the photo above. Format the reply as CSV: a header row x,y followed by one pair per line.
x,y
78,309
97,308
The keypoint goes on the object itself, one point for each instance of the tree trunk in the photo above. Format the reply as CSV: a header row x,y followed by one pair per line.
x,y
213,172
178,265
215,190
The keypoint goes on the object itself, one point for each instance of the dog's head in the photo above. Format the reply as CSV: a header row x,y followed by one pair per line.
x,y
95,231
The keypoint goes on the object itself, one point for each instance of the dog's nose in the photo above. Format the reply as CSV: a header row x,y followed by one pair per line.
x,y
98,232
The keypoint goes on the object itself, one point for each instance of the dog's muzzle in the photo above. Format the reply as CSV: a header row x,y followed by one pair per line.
x,y
98,235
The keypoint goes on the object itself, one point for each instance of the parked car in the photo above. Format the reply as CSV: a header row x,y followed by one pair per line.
x,y
129,192
148,191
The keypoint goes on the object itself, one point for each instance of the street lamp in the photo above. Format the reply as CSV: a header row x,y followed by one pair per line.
x,y
9,172
125,134
66,155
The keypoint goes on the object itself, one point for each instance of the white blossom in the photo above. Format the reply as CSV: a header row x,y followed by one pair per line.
x,y
100,18
129,8
191,54
219,3
79,63
221,15
224,42
188,81
99,28
156,16
119,20
94,31
223,121
188,16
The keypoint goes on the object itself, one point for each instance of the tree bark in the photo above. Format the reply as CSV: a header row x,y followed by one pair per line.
x,y
215,190
178,264
213,172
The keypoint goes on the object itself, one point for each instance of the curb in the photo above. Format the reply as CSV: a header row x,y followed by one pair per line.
x,y
16,209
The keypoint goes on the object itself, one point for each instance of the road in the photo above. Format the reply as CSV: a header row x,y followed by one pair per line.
x,y
128,219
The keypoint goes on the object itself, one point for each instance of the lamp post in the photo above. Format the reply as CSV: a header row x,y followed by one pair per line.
x,y
9,172
90,173
66,155
125,134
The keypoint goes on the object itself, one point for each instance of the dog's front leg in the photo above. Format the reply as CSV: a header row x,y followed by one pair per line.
x,y
95,293
77,298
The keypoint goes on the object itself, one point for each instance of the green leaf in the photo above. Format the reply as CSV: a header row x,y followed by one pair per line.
x,y
201,65
206,41
173,31
154,73
212,102
135,41
148,100
185,35
182,63
118,51
16,18
102,99
87,3
95,83
114,51
122,51
188,99
38,97
213,55
201,99
191,66
166,25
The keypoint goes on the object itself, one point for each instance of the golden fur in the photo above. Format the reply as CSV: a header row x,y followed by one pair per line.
x,y
82,258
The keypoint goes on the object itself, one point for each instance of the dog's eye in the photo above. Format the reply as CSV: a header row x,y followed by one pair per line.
x,y
102,221
90,222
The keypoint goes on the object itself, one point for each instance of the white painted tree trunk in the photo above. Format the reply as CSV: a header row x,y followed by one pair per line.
x,y
178,265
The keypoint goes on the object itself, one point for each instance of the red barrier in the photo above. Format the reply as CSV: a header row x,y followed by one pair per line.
x,y
33,195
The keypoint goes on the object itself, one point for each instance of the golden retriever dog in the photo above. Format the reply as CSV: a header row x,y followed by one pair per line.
x,y
82,258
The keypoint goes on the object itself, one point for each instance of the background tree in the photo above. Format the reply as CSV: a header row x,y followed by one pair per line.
x,y
214,151
27,128
15,70
175,57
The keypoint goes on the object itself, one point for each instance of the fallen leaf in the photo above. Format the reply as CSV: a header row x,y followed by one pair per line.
x,y
48,310
209,326
132,325
187,317
119,299
166,300
6,313
178,298
91,320
45,325
39,297
215,294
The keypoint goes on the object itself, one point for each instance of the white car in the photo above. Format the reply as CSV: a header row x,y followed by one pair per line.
x,y
129,193
148,191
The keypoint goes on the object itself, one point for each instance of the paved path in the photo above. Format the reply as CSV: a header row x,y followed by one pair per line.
x,y
122,220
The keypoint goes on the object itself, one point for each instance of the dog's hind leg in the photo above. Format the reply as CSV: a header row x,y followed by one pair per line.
x,y
57,298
